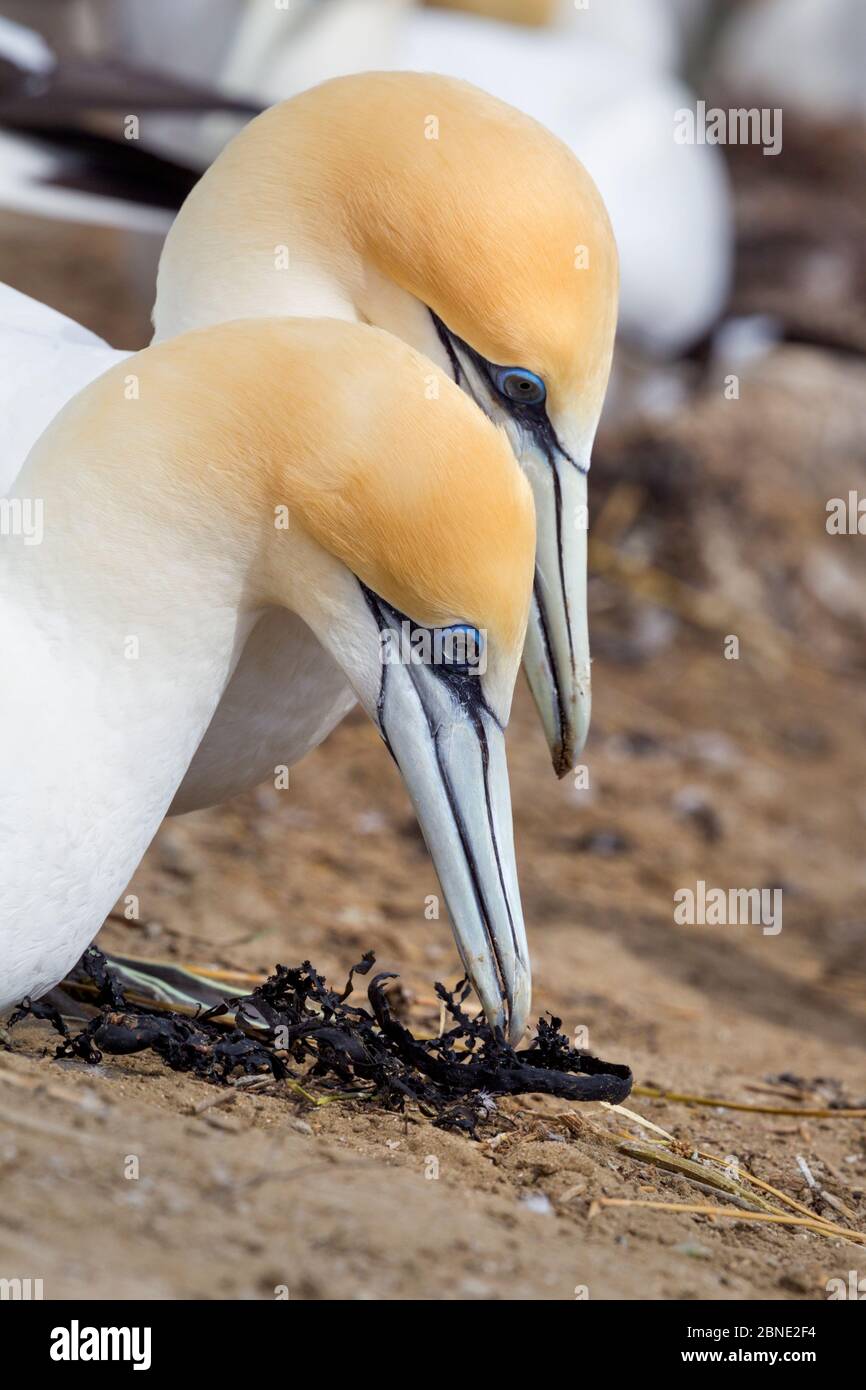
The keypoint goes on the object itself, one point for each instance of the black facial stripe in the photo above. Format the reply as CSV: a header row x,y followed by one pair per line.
x,y
445,339
547,439
532,418
464,686
454,346
458,371
373,601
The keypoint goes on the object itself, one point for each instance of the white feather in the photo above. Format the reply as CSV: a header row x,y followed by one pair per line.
x,y
45,359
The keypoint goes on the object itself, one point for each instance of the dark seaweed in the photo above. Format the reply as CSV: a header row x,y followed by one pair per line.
x,y
296,1026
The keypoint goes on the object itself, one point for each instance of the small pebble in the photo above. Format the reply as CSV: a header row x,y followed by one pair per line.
x,y
537,1202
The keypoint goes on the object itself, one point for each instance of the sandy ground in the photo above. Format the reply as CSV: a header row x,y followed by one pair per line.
x,y
117,1182
336,1202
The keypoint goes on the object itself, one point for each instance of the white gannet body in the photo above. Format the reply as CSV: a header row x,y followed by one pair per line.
x,y
45,358
161,550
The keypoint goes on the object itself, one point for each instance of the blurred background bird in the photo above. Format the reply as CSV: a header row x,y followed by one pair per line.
x,y
604,79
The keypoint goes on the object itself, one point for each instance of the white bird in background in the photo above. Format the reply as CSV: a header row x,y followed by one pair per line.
x,y
668,203
160,552
71,144
807,54
604,79
649,28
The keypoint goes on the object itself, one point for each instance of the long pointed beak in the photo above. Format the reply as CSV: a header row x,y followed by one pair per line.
x,y
556,652
450,748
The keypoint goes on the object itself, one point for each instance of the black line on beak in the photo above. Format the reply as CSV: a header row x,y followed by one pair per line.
x,y
467,692
557,497
483,909
561,765
485,767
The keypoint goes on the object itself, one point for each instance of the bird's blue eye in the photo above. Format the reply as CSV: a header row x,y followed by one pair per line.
x,y
461,648
518,384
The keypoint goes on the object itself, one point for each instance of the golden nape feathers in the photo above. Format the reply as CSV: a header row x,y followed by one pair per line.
x,y
369,448
529,12
449,194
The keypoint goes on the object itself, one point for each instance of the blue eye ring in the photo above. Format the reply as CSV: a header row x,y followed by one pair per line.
x,y
470,647
520,385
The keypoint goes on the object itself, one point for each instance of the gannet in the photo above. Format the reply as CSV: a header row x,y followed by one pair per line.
x,y
163,545
422,205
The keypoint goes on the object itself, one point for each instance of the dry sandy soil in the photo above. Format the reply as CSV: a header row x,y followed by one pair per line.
x,y
743,773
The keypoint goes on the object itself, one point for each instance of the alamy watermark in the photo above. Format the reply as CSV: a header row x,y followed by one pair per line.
x,y
461,648
739,125
24,517
20,1290
846,516
729,907
77,1343
853,1288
